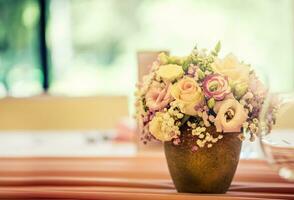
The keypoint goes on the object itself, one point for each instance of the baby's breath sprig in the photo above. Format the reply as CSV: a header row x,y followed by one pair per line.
x,y
202,59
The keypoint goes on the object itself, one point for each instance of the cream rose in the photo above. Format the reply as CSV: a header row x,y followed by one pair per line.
x,y
170,72
157,97
188,94
238,73
230,116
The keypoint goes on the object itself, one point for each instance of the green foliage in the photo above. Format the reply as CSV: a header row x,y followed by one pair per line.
x,y
216,49
211,103
185,119
200,74
19,47
176,60
187,62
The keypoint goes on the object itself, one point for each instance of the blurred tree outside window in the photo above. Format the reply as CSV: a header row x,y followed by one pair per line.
x,y
93,43
20,73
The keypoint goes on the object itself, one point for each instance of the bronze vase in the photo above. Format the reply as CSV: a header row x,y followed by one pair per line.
x,y
206,170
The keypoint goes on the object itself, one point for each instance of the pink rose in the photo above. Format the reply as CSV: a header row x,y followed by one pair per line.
x,y
216,86
157,97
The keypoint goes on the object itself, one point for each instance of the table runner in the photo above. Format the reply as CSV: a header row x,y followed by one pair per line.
x,y
140,177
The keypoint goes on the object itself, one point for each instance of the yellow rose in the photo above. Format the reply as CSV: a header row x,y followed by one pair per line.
x,y
170,72
188,94
163,127
238,73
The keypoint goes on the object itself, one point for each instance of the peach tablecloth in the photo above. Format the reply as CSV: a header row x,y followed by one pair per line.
x,y
141,177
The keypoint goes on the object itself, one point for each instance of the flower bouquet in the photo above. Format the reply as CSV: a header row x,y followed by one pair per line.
x,y
201,107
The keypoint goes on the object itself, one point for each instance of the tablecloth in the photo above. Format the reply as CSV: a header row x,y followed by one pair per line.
x,y
139,177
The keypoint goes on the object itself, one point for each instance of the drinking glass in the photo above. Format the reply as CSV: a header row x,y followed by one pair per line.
x,y
278,143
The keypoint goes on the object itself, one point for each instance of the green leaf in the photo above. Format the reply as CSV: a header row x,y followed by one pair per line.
x,y
200,73
217,47
211,103
185,119
187,62
185,66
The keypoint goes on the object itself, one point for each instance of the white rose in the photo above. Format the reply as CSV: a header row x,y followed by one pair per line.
x,y
237,73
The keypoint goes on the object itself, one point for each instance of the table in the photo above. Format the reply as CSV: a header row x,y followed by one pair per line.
x,y
137,177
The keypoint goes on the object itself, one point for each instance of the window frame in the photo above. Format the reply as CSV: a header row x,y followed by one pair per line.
x,y
43,55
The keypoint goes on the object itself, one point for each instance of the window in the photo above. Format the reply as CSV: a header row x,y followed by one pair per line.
x,y
92,44
20,73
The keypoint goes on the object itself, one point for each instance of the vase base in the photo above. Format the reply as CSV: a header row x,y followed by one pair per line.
x,y
207,170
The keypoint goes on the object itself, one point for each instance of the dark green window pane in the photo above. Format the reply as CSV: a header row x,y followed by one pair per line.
x,y
20,72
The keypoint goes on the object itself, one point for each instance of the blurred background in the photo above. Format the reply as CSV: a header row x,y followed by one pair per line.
x,y
91,43
82,48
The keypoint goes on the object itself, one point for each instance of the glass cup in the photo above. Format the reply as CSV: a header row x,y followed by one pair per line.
x,y
278,143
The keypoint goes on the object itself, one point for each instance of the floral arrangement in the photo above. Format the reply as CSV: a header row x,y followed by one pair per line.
x,y
200,92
